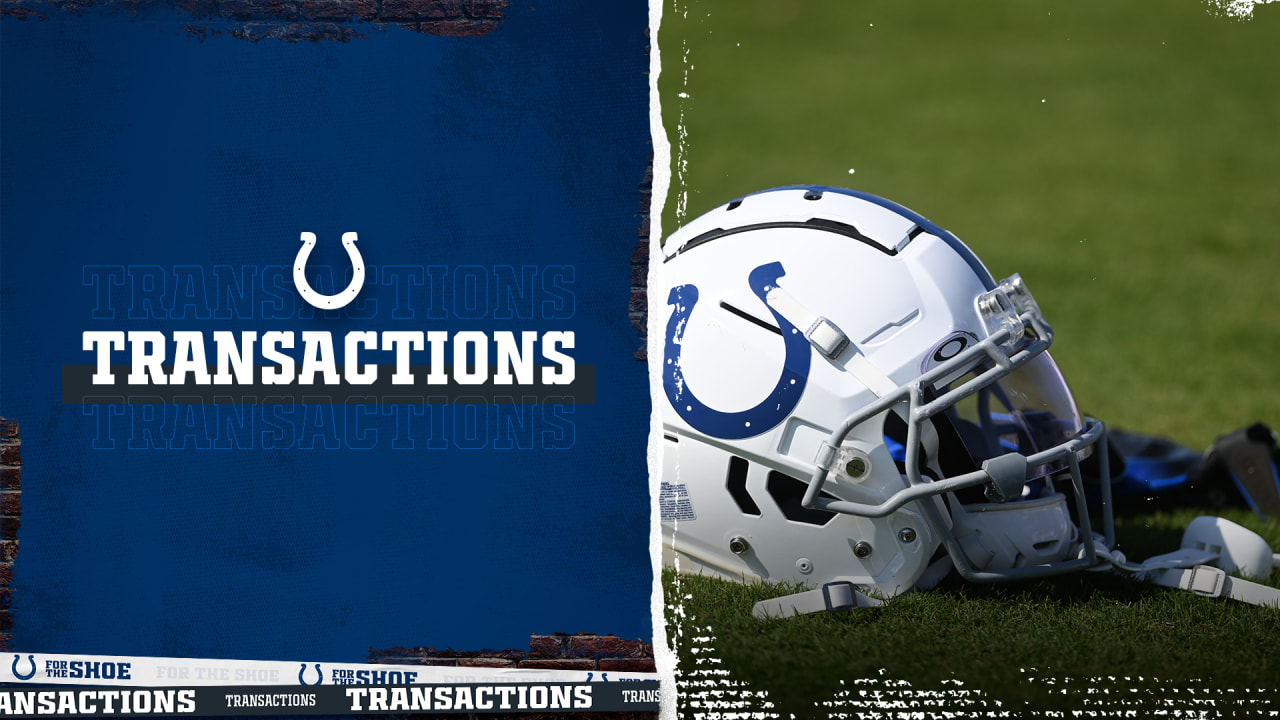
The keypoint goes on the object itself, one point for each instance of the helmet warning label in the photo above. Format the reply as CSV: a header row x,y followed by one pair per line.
x,y
674,504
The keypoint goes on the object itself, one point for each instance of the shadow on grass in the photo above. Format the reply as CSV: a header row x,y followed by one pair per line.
x,y
1022,644
1065,591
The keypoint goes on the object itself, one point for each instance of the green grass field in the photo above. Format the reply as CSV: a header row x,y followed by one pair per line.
x,y
1124,157
1078,626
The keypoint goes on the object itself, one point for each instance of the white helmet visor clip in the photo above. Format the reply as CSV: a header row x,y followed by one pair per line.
x,y
1008,312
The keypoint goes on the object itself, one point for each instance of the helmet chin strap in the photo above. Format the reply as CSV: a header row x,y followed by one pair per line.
x,y
839,596
1211,548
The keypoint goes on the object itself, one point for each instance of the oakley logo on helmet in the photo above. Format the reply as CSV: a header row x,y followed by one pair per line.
x,y
947,348
774,408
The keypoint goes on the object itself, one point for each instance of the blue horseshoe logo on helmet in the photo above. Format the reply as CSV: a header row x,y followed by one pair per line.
x,y
31,659
303,670
780,402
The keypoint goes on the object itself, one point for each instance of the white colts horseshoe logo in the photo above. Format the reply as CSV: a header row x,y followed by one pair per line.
x,y
328,302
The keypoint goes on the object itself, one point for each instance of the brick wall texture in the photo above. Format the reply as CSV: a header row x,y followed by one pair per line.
x,y
10,512
638,309
559,651
295,20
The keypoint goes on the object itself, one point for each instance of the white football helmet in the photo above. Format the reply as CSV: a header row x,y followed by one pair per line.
x,y
854,404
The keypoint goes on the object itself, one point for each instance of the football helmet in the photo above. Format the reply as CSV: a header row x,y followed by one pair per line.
x,y
853,403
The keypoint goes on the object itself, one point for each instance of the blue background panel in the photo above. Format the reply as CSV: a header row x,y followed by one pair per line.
x,y
126,142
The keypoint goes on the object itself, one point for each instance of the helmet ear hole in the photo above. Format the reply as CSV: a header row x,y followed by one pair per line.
x,y
788,493
736,483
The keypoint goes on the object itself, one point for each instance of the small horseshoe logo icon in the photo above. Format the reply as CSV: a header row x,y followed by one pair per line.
x,y
328,302
31,659
773,409
302,671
